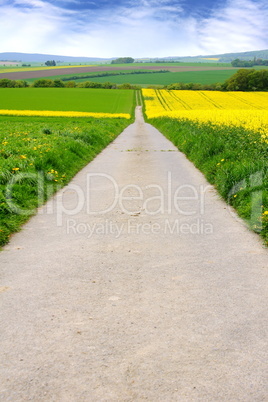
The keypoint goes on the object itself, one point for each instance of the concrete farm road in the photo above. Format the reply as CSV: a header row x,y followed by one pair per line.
x,y
135,282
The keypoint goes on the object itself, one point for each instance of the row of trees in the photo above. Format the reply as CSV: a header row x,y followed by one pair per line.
x,y
249,63
112,74
123,60
191,86
247,80
47,83
242,80
6,83
50,63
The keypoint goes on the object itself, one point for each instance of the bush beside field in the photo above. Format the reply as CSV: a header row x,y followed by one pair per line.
x,y
49,83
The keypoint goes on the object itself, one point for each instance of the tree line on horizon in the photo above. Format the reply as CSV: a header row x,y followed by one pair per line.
x,y
47,83
249,63
123,60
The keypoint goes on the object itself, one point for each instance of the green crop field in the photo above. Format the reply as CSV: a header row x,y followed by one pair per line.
x,y
67,99
200,77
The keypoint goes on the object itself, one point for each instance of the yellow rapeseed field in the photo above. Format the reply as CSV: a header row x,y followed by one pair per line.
x,y
210,58
246,109
56,113
17,69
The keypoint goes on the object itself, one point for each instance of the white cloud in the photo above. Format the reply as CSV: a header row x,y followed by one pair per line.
x,y
148,28
240,26
34,27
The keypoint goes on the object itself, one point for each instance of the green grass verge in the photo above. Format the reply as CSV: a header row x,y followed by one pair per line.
x,y
38,156
67,99
232,159
198,77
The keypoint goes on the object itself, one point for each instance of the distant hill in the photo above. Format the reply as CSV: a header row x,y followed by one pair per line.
x,y
217,58
42,58
228,57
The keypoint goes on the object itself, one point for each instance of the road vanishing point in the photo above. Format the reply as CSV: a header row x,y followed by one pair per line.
x,y
135,282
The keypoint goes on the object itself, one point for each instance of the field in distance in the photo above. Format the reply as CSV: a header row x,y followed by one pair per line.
x,y
14,69
173,66
67,99
76,70
196,77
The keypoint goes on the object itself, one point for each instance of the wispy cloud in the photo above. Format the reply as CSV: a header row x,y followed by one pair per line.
x,y
240,26
136,28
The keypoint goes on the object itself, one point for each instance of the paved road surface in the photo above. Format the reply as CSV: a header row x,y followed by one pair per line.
x,y
134,283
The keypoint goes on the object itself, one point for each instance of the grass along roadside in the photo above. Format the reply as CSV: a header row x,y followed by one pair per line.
x,y
233,159
139,99
39,155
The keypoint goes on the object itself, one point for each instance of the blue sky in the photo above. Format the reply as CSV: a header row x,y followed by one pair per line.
x,y
136,28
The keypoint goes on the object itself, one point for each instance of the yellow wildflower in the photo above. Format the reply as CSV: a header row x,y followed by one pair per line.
x,y
59,113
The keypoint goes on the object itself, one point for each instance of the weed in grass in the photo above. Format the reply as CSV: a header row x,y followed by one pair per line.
x,y
46,131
